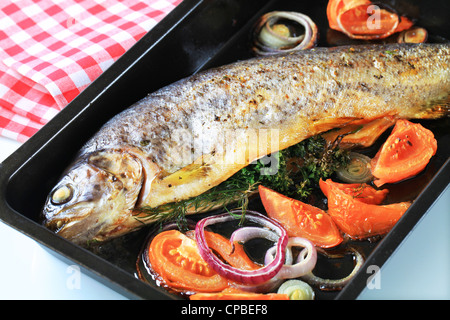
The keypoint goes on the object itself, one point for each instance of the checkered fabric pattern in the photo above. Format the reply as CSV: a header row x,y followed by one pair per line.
x,y
50,50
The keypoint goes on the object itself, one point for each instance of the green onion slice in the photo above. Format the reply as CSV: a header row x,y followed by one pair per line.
x,y
297,290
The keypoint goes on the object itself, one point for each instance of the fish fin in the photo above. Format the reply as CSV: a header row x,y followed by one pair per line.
x,y
435,109
325,124
361,134
194,171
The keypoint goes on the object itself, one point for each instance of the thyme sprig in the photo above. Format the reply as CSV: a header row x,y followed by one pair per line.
x,y
220,197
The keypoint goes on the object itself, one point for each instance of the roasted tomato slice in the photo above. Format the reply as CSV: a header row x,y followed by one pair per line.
x,y
239,296
354,18
359,191
361,220
405,153
301,219
235,257
174,257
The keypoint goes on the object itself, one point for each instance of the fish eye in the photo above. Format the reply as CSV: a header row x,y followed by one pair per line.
x,y
62,195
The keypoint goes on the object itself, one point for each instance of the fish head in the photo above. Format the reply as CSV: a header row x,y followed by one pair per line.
x,y
95,196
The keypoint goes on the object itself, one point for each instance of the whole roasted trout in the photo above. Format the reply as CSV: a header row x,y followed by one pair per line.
x,y
188,137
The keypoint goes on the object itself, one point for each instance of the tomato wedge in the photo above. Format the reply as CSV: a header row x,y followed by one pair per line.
x,y
239,296
359,19
176,260
361,220
405,153
222,247
301,219
359,191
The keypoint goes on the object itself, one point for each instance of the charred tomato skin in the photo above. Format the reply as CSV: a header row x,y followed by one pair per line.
x,y
301,219
405,153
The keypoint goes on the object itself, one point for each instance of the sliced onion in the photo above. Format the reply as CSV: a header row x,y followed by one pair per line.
x,y
248,233
357,170
305,263
306,260
264,287
271,252
327,284
258,276
271,37
413,35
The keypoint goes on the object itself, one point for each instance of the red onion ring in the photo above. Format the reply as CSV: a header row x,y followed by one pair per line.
x,y
254,277
306,260
268,286
247,233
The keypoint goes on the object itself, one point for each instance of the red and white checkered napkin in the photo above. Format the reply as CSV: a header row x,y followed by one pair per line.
x,y
50,50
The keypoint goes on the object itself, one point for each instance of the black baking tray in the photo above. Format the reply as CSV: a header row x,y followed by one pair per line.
x,y
196,35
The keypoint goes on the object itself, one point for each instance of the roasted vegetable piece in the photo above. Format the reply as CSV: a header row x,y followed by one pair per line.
x,y
361,220
413,35
360,191
239,296
174,257
233,255
301,219
271,35
251,277
357,170
405,153
360,19
297,290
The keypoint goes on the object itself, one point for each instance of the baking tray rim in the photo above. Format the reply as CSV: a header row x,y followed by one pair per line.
x,y
115,277
393,239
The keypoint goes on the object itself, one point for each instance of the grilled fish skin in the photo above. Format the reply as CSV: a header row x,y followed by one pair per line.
x,y
190,136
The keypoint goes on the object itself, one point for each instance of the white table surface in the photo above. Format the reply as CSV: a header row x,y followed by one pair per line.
x,y
418,269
